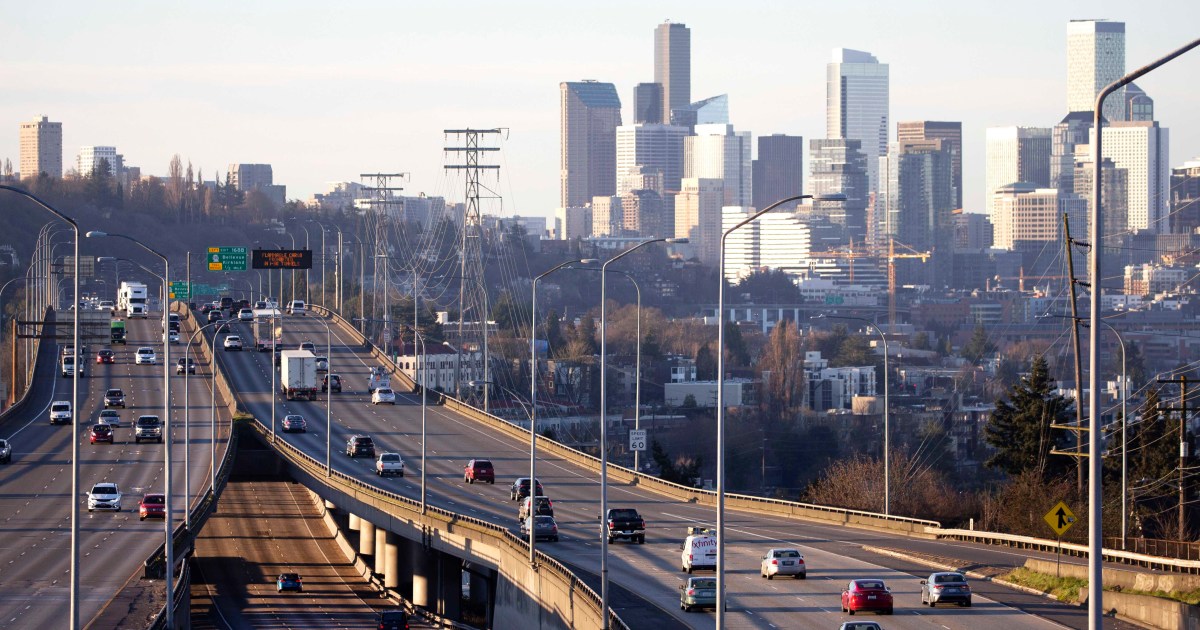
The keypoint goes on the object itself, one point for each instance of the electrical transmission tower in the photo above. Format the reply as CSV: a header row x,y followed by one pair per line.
x,y
382,201
472,290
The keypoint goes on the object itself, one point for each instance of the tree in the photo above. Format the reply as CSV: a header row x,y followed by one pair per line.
x,y
855,350
678,470
769,287
782,367
551,331
706,364
506,313
979,346
735,346
1020,427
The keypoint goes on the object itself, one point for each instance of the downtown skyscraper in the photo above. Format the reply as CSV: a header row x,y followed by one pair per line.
x,y
857,105
673,66
590,115
1095,58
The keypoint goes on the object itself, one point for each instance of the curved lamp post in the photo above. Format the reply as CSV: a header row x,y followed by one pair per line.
x,y
187,424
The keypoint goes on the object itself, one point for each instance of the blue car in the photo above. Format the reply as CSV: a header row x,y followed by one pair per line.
x,y
698,592
289,582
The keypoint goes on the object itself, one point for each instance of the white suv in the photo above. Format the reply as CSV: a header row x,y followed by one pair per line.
x,y
104,496
145,356
296,307
383,395
232,342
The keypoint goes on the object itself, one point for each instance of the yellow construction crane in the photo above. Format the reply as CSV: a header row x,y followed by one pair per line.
x,y
891,262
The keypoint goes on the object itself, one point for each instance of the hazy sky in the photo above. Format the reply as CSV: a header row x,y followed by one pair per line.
x,y
325,91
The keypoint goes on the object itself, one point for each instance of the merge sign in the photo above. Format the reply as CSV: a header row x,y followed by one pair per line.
x,y
1060,518
282,259
226,258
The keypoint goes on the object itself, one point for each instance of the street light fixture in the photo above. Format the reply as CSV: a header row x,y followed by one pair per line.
x,y
721,392
604,417
166,308
187,424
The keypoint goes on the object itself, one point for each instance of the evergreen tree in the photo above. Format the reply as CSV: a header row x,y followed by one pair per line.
x,y
1020,427
979,346
735,346
706,364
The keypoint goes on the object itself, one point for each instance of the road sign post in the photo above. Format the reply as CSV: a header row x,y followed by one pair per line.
x,y
227,258
637,440
1060,518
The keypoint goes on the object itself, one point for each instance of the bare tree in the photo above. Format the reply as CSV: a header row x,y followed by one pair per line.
x,y
175,186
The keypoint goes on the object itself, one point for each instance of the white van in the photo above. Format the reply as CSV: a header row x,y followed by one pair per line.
x,y
699,552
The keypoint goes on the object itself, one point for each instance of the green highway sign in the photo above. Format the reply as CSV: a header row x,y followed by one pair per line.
x,y
209,289
179,291
227,258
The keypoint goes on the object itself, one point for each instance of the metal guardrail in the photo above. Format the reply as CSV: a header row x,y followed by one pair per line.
x,y
1041,544
19,405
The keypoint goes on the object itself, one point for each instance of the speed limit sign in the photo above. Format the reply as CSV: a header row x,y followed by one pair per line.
x,y
637,440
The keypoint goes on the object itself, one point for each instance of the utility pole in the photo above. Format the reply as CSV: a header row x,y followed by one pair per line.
x,y
1067,243
472,290
1183,445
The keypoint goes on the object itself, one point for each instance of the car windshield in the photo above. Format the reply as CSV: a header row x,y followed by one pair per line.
x,y
948,577
113,392
104,489
101,428
108,413
152,498
869,585
60,407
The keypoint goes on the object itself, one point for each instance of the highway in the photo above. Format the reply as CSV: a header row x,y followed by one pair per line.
x,y
35,487
834,554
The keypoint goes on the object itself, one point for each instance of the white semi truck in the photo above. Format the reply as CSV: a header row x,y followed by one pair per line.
x,y
298,374
131,299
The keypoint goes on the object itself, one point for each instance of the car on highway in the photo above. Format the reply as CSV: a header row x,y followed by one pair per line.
x,y
145,356
68,367
60,412
520,489
307,345
185,364
544,527
114,397
171,336
109,417
106,356
783,562
232,342
246,315
393,620
383,395
479,470
289,582
100,433
699,552
698,592
544,507
152,505
625,523
214,315
5,452
104,496
106,305
860,625
147,428
296,307
945,587
322,364
261,304
861,595
294,422
389,464
360,446
331,382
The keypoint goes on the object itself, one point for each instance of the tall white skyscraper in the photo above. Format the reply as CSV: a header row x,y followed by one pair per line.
x,y
90,156
698,215
776,241
718,152
653,147
1141,149
856,104
1095,58
1016,154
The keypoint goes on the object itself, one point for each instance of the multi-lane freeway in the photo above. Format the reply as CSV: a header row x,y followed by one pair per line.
x,y
35,489
834,554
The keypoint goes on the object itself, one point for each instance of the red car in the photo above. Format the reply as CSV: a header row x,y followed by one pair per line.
x,y
105,356
479,470
101,433
152,506
867,595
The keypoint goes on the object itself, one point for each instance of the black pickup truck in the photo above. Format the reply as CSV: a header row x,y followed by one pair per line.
x,y
625,523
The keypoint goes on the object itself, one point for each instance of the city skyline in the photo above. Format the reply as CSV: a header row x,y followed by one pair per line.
x,y
274,90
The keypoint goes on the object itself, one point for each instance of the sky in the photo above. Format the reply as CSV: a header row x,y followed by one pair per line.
x,y
326,91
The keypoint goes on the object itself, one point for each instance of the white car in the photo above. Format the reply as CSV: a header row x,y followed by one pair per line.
x,y
107,305
783,562
296,307
145,356
383,395
232,342
322,364
172,336
389,464
60,412
104,496
109,417
246,315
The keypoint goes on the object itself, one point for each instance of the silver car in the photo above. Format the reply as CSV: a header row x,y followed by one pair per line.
x,y
783,562
945,587
544,528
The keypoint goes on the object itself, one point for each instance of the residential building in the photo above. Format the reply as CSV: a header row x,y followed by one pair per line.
x,y
256,177
1185,197
835,388
41,148
1095,58
1150,279
1017,154
340,196
90,157
857,105
775,241
647,103
673,66
572,223
698,215
950,133
590,114
972,231
1141,148
439,367
778,172
739,392
1026,216
608,219
839,166
718,152
643,214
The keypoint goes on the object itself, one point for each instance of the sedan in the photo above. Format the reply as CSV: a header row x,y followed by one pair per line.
x,y
172,336
106,356
544,528
145,356
109,417
289,582
232,342
101,433
104,496
246,315
383,395
294,422
114,398
867,595
860,625
944,587
185,364
698,592
783,562
152,506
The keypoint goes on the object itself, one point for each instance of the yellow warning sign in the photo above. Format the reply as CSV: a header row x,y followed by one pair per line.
x,y
1060,518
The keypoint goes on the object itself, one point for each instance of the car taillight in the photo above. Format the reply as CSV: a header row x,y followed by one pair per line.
x,y
610,524
775,563
643,522
937,586
691,591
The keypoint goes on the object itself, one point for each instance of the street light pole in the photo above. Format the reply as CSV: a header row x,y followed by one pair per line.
x,y
1124,441
187,421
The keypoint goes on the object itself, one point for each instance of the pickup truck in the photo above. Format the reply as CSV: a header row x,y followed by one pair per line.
x,y
389,464
147,428
625,523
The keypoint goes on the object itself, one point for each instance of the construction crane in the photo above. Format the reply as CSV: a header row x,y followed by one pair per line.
x,y
850,254
1022,278
891,263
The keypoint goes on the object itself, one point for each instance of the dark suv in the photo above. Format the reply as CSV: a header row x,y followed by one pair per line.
x,y
520,489
479,470
114,398
393,620
360,446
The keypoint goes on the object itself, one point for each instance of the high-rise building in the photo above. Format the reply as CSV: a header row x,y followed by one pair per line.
x,y
713,110
41,148
1066,136
778,172
1027,217
856,105
1095,58
572,223
775,241
644,148
1115,192
916,203
1139,107
608,218
718,152
950,133
1017,154
698,215
1141,149
972,231
673,66
839,166
256,177
590,115
647,103
1185,198
643,214
90,157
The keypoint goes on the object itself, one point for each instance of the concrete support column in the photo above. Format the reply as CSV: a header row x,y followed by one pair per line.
x,y
355,522
424,576
380,550
391,560
366,538
479,589
329,506
449,587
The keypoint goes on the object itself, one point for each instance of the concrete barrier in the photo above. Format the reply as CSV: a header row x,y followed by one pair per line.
x,y
1156,612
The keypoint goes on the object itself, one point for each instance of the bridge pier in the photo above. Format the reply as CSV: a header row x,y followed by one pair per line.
x,y
423,574
329,506
449,587
391,560
381,535
366,538
355,523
